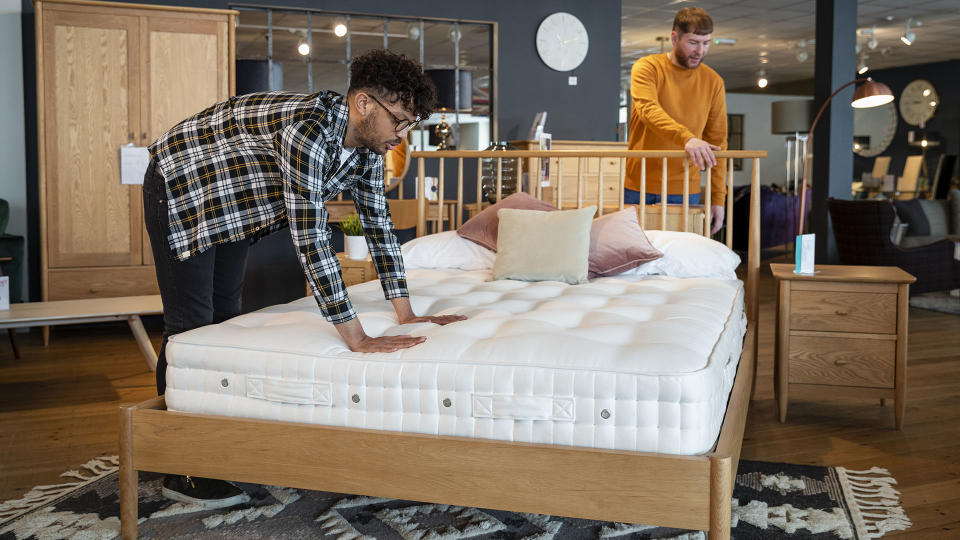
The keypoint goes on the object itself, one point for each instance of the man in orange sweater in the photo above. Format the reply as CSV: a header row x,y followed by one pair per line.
x,y
679,103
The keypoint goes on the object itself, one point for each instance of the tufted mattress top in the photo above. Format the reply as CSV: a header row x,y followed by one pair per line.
x,y
632,363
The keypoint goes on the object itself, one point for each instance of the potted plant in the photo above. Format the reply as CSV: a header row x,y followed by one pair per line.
x,y
353,240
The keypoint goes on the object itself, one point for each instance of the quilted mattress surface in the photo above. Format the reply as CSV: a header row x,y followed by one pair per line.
x,y
631,363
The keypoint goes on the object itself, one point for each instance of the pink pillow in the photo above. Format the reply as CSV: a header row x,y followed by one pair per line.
x,y
483,227
617,244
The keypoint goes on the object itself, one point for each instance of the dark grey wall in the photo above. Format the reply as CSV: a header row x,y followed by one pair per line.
x,y
945,77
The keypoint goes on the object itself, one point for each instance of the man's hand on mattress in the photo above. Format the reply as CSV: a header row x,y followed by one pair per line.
x,y
435,319
701,153
716,216
405,314
358,340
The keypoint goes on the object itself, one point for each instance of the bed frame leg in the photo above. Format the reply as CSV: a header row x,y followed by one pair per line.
x,y
721,492
128,476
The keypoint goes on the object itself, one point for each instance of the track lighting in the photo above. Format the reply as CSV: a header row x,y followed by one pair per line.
x,y
762,79
340,29
908,37
802,56
863,68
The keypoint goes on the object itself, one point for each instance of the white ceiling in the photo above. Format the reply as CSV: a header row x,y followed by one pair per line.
x,y
773,28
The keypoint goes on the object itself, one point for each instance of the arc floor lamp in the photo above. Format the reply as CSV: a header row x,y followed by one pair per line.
x,y
869,94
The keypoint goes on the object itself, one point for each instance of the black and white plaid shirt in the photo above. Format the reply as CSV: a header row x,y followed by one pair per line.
x,y
253,164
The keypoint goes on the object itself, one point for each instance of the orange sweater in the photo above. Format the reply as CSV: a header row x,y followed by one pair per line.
x,y
670,105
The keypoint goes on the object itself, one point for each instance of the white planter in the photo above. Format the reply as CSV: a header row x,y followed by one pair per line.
x,y
356,247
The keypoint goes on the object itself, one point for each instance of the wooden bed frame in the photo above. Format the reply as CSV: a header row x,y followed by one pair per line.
x,y
691,492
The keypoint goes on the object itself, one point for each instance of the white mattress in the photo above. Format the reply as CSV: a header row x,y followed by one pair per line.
x,y
642,363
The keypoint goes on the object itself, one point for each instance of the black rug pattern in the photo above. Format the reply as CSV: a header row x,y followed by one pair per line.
x,y
770,500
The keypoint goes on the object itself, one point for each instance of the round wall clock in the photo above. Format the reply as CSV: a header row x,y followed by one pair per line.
x,y
918,102
562,41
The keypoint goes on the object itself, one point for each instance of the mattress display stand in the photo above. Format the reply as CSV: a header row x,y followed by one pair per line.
x,y
691,492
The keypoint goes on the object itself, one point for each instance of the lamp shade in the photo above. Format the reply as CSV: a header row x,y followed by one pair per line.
x,y
871,94
443,79
791,116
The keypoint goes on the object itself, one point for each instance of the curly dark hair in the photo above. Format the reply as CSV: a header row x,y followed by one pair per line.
x,y
395,77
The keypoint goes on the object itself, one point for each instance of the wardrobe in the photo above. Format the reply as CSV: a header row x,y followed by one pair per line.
x,y
109,75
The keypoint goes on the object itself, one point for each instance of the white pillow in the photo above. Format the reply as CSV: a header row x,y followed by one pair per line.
x,y
446,250
688,255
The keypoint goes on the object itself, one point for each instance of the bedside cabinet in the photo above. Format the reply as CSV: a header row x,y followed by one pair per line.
x,y
842,332
356,271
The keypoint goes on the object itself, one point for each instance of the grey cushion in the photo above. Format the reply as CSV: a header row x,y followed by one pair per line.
x,y
954,198
937,214
911,212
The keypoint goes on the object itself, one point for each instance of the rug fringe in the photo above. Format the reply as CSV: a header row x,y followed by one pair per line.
x,y
875,504
96,469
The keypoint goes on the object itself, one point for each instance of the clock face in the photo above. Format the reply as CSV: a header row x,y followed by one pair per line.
x,y
562,41
918,101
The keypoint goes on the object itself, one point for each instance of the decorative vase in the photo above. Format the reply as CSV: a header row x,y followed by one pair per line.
x,y
356,247
509,171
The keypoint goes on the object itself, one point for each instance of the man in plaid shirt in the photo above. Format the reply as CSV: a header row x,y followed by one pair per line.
x,y
255,164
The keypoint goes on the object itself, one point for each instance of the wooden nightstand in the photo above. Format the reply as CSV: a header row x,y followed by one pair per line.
x,y
356,271
842,332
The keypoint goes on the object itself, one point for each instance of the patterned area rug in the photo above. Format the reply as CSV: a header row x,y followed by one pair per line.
x,y
771,500
936,301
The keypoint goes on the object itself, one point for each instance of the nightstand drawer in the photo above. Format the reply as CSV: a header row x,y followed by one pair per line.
x,y
842,361
352,276
840,311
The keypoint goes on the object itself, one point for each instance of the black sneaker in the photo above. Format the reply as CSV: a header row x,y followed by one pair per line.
x,y
206,492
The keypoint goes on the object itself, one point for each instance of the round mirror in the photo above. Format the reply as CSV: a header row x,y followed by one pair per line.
x,y
873,129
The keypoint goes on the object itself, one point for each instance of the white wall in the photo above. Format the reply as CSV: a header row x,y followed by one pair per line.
x,y
755,109
13,182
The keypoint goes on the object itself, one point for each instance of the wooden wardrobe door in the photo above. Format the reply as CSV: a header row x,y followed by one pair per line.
x,y
188,69
91,92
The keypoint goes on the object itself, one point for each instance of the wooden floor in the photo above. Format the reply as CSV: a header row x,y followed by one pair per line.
x,y
58,409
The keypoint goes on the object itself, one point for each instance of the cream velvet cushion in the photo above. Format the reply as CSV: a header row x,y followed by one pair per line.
x,y
543,246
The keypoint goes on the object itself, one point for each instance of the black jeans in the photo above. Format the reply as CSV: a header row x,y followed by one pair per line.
x,y
204,289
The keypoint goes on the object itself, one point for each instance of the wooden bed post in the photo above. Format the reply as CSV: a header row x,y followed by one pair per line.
x,y
721,491
128,475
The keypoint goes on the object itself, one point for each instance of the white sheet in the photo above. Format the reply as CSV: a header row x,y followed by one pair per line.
x,y
632,363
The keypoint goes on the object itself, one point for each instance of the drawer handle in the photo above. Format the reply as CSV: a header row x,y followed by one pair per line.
x,y
841,362
841,313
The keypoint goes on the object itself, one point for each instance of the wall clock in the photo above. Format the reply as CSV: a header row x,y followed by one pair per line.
x,y
562,41
918,102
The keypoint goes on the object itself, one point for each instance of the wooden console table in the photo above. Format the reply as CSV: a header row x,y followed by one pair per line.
x,y
842,332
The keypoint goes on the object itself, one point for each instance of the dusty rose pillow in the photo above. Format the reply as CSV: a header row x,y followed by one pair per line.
x,y
483,227
617,244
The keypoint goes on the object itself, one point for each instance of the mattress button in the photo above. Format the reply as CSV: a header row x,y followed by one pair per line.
x,y
224,383
355,398
605,414
447,402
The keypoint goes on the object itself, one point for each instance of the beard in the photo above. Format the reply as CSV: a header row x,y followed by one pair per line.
x,y
686,60
367,133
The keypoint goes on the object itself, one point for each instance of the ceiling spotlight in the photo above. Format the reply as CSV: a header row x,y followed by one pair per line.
x,y
863,68
762,79
908,37
340,30
802,56
303,47
926,92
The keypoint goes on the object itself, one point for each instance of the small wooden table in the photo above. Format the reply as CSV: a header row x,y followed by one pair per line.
x,y
89,310
842,332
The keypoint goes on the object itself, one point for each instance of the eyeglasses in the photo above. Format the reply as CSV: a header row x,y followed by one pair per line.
x,y
402,123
